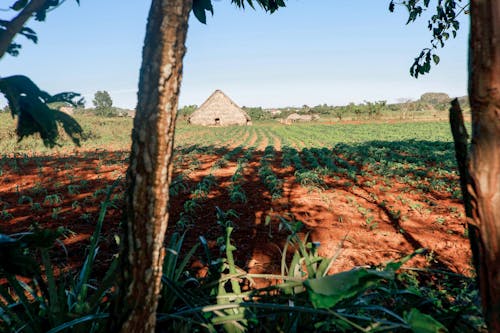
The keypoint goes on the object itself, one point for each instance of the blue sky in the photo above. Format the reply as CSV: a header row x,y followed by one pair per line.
x,y
311,52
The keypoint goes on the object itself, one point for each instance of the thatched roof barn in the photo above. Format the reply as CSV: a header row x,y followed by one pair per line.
x,y
219,110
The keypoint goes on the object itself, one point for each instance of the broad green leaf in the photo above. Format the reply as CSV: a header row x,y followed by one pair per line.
x,y
20,4
435,57
423,323
327,291
394,266
199,8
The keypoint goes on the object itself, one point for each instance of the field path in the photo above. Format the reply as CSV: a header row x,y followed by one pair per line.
x,y
263,140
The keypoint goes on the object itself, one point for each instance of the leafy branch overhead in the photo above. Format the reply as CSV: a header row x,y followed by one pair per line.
x,y
25,9
30,105
202,6
442,24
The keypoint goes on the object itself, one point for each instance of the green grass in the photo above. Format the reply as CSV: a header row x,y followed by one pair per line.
x,y
114,133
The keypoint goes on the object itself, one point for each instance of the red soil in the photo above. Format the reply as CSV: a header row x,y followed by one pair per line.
x,y
360,225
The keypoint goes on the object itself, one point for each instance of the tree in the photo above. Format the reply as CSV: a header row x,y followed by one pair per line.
x,y
483,176
104,104
102,100
484,164
150,169
185,112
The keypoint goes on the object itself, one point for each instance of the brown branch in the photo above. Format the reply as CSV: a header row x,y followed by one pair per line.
x,y
460,138
17,23
461,141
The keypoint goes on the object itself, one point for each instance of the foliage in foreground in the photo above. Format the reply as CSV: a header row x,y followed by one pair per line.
x,y
31,105
377,299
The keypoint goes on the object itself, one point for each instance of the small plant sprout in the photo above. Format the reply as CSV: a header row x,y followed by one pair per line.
x,y
36,207
55,212
370,223
73,189
52,199
440,220
75,205
25,199
5,215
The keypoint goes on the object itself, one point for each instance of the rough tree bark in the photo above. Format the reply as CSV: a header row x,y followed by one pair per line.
x,y
150,169
484,165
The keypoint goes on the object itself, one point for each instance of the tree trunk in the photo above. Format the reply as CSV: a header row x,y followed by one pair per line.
x,y
150,170
484,165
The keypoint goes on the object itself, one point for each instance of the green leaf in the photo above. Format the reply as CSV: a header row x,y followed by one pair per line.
x,y
199,8
75,322
423,323
20,4
391,6
435,57
200,14
29,103
327,291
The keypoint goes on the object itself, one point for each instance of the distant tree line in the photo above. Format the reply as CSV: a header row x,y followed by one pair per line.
x,y
185,112
102,107
405,108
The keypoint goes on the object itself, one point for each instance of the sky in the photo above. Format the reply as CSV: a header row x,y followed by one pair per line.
x,y
311,52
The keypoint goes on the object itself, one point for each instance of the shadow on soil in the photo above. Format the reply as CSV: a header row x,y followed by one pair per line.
x,y
422,166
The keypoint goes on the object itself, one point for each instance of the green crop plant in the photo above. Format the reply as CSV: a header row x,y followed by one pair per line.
x,y
25,199
55,213
178,185
52,199
237,194
370,223
310,179
440,220
36,207
191,206
49,303
5,215
73,189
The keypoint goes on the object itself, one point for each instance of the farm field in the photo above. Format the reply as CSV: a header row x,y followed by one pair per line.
x,y
365,193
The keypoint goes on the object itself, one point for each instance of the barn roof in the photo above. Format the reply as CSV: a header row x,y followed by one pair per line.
x,y
221,106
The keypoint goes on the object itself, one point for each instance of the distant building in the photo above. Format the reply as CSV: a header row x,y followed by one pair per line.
x,y
274,112
219,110
295,117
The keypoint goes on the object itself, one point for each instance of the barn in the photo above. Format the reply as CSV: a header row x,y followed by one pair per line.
x,y
295,117
219,110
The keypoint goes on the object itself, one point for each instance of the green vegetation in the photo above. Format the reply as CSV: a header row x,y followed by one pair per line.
x,y
387,298
379,299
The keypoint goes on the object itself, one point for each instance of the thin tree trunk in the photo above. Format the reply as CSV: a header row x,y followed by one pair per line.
x,y
150,167
17,23
484,167
461,140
